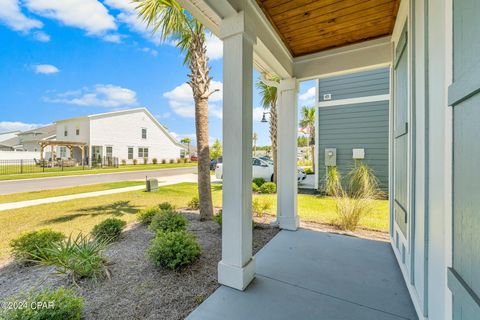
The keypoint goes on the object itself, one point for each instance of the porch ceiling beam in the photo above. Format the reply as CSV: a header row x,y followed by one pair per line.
x,y
357,57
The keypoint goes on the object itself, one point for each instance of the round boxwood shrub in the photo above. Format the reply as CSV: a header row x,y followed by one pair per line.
x,y
173,250
145,215
166,206
255,188
259,181
109,230
29,246
168,220
59,304
268,187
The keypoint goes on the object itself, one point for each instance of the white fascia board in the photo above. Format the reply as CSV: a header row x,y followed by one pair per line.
x,y
342,102
362,56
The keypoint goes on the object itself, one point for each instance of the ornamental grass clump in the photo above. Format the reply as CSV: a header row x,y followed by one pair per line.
x,y
194,204
357,198
167,221
58,304
28,246
109,230
174,250
77,257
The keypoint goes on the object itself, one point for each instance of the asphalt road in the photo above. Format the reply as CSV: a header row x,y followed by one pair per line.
x,y
26,185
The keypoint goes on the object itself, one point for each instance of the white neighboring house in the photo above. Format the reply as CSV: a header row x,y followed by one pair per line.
x,y
133,134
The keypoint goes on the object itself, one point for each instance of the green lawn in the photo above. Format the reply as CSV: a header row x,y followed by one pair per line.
x,y
82,214
75,171
67,191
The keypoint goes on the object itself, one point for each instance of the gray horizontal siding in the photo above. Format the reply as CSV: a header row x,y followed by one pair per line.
x,y
355,85
355,126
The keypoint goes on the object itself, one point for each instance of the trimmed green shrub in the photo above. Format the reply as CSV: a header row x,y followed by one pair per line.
x,y
255,188
135,161
173,250
166,206
172,161
28,246
78,258
124,162
194,204
268,187
145,215
308,170
145,160
164,161
108,230
259,181
154,160
168,220
58,304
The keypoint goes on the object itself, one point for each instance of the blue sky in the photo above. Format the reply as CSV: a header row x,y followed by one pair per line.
x,y
59,63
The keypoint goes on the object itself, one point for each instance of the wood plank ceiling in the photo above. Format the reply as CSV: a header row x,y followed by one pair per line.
x,y
309,26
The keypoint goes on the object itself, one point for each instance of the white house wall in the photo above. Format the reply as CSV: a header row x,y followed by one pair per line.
x,y
125,130
71,126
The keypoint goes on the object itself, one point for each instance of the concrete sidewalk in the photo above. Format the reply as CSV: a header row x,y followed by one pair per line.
x,y
164,182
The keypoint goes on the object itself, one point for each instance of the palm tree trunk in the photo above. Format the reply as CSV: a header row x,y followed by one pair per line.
x,y
200,82
273,137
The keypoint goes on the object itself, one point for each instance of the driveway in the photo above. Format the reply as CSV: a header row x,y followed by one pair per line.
x,y
15,186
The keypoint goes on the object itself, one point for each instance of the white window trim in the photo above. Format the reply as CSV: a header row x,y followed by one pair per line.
x,y
341,102
146,133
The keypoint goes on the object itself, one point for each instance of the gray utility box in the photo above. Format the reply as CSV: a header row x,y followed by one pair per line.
x,y
330,157
152,184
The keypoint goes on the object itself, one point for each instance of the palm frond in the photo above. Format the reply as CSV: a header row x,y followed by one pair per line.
x,y
268,94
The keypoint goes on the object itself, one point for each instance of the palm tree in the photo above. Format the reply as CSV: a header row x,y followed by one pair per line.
x,y
308,122
269,102
187,142
255,138
172,22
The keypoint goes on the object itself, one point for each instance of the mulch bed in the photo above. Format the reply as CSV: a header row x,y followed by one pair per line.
x,y
137,289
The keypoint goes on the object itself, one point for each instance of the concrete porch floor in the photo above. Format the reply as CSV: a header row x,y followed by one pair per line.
x,y
316,275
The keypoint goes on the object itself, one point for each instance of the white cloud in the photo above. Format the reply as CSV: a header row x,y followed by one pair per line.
x,y
41,36
89,15
258,114
101,95
151,51
6,126
180,100
45,69
12,16
308,97
214,47
115,38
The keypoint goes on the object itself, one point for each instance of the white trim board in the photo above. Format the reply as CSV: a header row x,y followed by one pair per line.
x,y
341,102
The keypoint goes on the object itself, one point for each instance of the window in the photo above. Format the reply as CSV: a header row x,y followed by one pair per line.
x,y
63,152
65,131
130,153
143,152
109,152
144,133
77,131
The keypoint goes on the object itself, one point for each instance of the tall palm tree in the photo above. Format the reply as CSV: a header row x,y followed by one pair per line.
x,y
172,22
187,142
308,122
269,103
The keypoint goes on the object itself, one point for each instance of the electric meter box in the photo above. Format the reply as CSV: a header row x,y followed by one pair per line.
x,y
330,157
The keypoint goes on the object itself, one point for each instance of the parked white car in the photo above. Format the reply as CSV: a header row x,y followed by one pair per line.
x,y
261,168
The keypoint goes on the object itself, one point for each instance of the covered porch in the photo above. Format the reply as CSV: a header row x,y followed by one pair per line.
x,y
70,145
316,275
336,277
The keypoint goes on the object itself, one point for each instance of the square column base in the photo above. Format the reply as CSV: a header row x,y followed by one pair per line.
x,y
235,277
289,223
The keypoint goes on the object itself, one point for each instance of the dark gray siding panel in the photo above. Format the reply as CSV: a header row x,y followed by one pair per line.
x,y
355,126
360,84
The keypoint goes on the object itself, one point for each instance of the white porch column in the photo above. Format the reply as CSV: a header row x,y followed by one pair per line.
x,y
287,186
237,267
